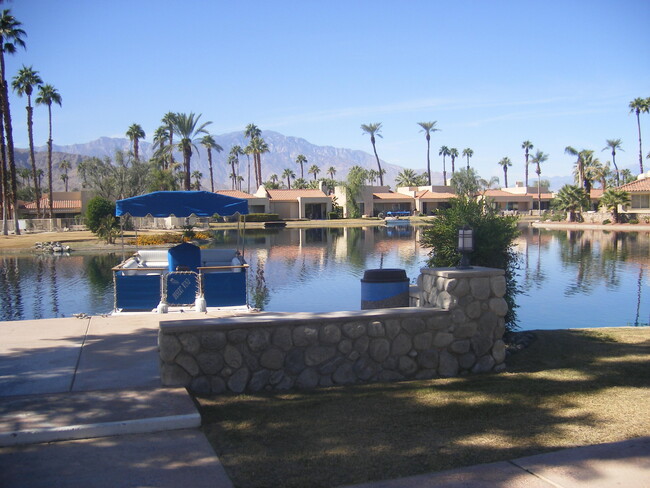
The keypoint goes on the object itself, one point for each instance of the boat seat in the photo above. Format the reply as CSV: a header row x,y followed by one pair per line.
x,y
152,258
217,257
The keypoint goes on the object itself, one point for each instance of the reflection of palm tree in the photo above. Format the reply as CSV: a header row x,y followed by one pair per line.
x,y
638,299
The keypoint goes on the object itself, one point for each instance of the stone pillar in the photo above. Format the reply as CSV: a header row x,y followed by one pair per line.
x,y
475,299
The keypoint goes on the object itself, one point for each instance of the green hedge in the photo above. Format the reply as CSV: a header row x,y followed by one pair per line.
x,y
260,217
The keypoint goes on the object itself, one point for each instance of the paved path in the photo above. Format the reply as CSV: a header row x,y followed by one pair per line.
x,y
81,405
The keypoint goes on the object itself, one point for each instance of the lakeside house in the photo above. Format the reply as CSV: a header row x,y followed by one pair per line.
x,y
639,191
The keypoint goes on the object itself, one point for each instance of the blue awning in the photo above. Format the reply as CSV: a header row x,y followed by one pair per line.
x,y
180,204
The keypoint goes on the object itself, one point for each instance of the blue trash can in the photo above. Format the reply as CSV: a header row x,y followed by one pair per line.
x,y
384,288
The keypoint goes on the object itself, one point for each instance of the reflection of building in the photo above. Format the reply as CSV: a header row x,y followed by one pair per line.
x,y
639,191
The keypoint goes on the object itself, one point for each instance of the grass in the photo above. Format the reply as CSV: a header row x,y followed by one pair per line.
x,y
567,389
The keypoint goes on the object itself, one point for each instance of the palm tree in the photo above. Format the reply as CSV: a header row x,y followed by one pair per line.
x,y
258,147
427,128
469,153
197,175
299,184
160,138
24,174
10,38
331,171
373,130
288,174
65,166
537,160
301,159
208,142
273,178
188,129
592,167
526,146
314,170
47,95
444,152
407,177
135,132
23,84
232,161
571,198
639,106
453,153
168,121
372,175
602,173
612,198
505,162
614,144
252,132
579,167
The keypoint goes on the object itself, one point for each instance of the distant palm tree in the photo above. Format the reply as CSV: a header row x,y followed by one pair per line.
x,y
160,139
197,175
135,132
331,171
253,133
468,153
188,129
23,84
208,142
300,184
10,38
505,162
273,178
602,173
232,161
64,178
427,128
537,160
372,175
288,174
612,198
168,121
444,152
65,166
526,146
453,153
24,174
407,177
579,166
258,147
373,130
301,159
47,95
614,144
314,170
639,106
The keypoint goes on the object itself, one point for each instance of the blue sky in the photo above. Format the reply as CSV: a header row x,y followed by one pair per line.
x,y
491,73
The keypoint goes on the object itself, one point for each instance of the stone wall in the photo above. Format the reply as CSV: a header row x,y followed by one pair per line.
x,y
457,329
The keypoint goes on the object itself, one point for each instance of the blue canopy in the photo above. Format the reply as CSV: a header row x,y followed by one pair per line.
x,y
181,204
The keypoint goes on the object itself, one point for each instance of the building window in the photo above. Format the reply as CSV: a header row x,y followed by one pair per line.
x,y
640,201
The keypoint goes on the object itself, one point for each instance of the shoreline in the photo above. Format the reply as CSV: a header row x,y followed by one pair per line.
x,y
588,226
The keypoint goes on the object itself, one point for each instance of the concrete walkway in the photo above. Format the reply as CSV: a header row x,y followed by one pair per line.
x,y
81,405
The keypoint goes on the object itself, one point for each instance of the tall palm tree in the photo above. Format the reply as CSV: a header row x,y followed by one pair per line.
x,y
160,139
47,95
188,129
232,161
10,39
453,153
331,171
288,174
639,106
468,153
23,84
65,166
24,174
253,132
614,144
612,198
444,152
526,146
373,130
168,121
505,162
237,151
427,128
258,147
208,142
537,160
579,167
135,132
313,170
248,151
301,159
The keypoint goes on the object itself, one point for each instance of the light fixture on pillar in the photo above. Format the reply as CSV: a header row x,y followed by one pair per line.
x,y
465,245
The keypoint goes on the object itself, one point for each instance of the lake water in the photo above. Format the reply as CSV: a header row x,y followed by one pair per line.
x,y
568,278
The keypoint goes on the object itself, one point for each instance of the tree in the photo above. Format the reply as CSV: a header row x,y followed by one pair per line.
x,y
407,177
208,142
124,178
65,166
373,130
288,174
614,144
300,184
372,175
537,160
197,175
258,147
453,153
301,160
135,132
571,199
232,161
97,209
526,146
639,106
603,173
331,171
505,163
579,166
10,39
469,153
427,128
494,237
47,95
466,183
314,170
188,129
23,84
444,152
612,198
168,120
357,177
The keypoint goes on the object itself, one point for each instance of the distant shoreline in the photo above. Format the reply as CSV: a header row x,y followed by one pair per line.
x,y
586,226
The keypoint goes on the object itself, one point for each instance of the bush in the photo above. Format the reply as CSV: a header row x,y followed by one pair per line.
x,y
99,208
606,222
260,217
634,221
333,215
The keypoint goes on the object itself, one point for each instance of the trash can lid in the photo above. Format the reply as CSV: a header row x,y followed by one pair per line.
x,y
385,275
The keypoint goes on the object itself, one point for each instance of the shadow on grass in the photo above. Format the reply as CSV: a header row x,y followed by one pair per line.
x,y
557,394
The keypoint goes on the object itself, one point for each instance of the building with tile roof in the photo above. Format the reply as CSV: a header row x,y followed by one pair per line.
x,y
297,204
639,191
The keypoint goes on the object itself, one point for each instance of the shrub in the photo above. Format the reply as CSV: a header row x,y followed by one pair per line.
x,y
98,208
332,215
260,217
634,221
606,222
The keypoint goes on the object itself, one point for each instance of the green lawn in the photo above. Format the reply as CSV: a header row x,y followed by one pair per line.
x,y
569,388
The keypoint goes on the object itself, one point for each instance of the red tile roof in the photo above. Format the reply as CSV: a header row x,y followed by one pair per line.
x,y
504,196
293,195
432,195
235,193
391,196
56,204
642,185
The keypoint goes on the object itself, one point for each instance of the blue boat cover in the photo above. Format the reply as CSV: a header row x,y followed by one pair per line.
x,y
181,204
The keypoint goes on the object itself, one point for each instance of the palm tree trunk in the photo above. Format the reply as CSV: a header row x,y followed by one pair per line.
x,y
505,176
526,170
10,143
210,164
187,155
618,181
4,182
638,123
429,161
30,134
49,163
381,176
444,172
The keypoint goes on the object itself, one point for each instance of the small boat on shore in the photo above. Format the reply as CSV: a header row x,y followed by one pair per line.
x,y
397,217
